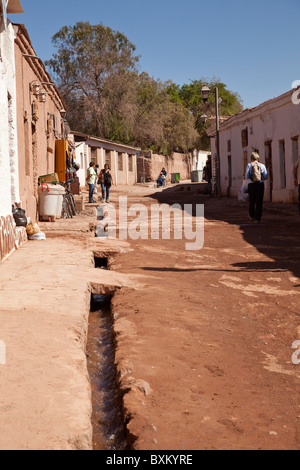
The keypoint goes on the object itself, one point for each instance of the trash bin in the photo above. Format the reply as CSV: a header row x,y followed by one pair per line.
x,y
196,176
50,201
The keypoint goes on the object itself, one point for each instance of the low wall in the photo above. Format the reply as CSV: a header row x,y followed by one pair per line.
x,y
149,168
11,237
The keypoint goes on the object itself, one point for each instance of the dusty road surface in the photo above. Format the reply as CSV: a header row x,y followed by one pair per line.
x,y
211,332
203,338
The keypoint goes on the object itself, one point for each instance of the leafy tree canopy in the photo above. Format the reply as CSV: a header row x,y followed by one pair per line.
x,y
96,70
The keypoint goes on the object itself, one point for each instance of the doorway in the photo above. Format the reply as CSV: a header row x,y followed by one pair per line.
x,y
269,166
229,176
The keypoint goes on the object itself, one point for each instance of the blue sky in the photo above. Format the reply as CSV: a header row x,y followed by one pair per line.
x,y
253,47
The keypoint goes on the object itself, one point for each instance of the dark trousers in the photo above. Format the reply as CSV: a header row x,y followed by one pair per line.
x,y
91,192
107,190
256,200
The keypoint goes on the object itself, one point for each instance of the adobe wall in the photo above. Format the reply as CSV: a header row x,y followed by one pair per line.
x,y
9,180
177,163
39,124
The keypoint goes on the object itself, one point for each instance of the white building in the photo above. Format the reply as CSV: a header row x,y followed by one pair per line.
x,y
9,173
272,129
121,158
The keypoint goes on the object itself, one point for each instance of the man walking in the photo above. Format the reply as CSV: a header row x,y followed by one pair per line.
x,y
296,173
257,173
91,180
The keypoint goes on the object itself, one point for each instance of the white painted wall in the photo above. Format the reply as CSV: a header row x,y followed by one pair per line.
x,y
82,158
275,120
9,175
200,159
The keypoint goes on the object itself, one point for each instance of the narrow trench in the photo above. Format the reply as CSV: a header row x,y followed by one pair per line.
x,y
109,429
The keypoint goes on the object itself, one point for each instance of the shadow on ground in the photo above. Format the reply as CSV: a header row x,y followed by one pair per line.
x,y
277,237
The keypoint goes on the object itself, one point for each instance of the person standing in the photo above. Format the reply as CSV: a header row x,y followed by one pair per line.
x,y
106,181
257,173
91,180
296,174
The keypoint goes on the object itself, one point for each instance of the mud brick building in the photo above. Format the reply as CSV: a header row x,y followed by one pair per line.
x,y
40,112
149,166
31,120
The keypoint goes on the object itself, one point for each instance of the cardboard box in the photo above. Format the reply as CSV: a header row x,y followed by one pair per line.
x,y
50,179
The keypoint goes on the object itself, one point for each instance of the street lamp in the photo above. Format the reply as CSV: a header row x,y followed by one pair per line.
x,y
203,118
205,94
63,113
42,95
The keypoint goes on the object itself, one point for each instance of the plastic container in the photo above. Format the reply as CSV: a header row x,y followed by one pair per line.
x,y
50,202
175,178
196,176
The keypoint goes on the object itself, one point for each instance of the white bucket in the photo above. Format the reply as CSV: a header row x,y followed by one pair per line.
x,y
50,201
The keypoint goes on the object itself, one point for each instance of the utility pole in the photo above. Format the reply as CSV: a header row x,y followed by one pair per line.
x,y
218,182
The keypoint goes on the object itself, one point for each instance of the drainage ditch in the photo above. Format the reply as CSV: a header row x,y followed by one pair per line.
x,y
101,263
109,431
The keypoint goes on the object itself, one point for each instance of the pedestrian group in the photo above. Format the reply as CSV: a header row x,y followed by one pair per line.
x,y
103,179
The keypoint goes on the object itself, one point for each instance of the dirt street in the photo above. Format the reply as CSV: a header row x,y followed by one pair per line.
x,y
212,331
203,338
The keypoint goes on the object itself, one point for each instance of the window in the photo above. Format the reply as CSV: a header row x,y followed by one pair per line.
x,y
130,163
245,137
93,155
54,123
295,150
120,161
229,146
26,149
107,158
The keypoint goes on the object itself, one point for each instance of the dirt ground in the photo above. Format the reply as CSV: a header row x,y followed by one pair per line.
x,y
212,331
203,338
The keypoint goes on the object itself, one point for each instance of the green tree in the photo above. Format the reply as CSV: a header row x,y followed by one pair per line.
x,y
162,124
96,70
190,96
92,68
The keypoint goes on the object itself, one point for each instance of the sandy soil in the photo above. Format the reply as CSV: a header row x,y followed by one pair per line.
x,y
204,339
